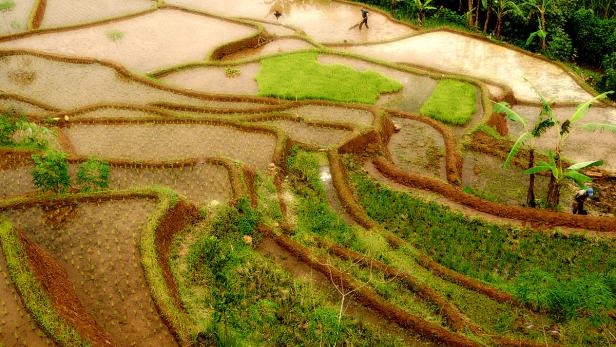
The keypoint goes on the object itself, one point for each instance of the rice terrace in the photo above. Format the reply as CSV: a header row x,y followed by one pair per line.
x,y
307,173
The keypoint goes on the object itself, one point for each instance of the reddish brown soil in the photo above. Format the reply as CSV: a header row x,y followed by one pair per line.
x,y
37,19
173,222
55,282
538,218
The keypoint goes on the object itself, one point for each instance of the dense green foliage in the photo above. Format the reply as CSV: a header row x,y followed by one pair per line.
x,y
582,32
50,172
93,175
504,255
16,131
452,102
253,301
300,76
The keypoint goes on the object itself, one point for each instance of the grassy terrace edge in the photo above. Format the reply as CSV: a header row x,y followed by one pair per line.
x,y
32,294
171,313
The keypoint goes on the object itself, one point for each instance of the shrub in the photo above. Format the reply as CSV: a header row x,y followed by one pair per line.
x,y
50,172
608,82
591,36
560,46
9,124
93,175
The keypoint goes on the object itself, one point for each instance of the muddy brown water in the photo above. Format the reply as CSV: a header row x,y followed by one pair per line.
x,y
171,142
17,327
418,148
456,53
309,134
277,46
217,79
60,13
70,85
170,35
416,88
298,269
16,20
98,245
324,20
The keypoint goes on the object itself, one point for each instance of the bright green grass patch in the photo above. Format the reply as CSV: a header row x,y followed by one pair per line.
x,y
452,102
300,76
7,5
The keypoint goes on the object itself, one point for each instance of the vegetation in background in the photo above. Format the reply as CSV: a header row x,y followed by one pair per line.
x,y
93,175
503,255
50,172
300,76
452,102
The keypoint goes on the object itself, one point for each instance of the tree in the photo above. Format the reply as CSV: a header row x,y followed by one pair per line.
x,y
539,7
50,172
422,7
543,122
503,8
93,175
554,164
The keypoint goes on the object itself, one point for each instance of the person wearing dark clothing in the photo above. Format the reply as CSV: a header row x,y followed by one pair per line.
x,y
580,199
364,16
277,14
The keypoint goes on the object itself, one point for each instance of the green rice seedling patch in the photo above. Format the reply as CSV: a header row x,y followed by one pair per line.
x,y
452,102
98,244
299,76
506,256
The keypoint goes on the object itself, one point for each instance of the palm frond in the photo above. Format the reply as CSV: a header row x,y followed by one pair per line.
x,y
599,127
585,164
503,107
582,109
519,143
565,127
578,178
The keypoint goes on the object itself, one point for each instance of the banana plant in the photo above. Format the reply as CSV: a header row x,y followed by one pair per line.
x,y
539,7
559,173
502,8
527,139
422,7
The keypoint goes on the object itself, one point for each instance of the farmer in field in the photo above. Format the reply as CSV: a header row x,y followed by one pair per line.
x,y
364,16
579,199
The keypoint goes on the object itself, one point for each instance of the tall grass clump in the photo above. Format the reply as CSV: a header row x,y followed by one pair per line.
x,y
300,76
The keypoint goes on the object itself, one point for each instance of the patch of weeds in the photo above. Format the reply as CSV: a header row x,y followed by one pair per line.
x,y
480,194
489,131
300,76
114,35
232,72
452,102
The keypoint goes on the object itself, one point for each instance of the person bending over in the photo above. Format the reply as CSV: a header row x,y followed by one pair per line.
x,y
580,199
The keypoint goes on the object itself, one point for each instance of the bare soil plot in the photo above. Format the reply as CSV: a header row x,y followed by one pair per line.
x,y
17,328
217,79
171,141
114,113
71,85
200,184
418,148
323,137
16,19
20,106
276,46
581,145
147,42
61,13
98,244
334,114
456,53
416,88
16,181
325,21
